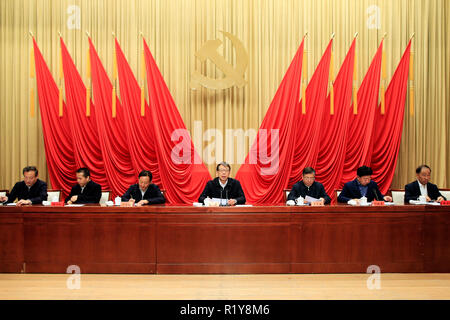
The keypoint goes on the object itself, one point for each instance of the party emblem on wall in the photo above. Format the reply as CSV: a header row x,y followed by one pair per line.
x,y
234,75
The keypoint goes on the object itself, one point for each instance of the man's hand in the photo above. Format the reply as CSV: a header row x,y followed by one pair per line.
x,y
69,202
23,202
428,199
232,202
387,198
74,199
3,198
440,199
323,200
141,203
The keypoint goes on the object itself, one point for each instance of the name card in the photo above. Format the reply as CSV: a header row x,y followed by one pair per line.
x,y
378,203
57,204
445,203
317,204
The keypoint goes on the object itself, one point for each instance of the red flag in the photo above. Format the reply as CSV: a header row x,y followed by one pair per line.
x,y
307,132
112,132
140,131
330,160
359,134
266,170
183,174
387,132
84,129
59,151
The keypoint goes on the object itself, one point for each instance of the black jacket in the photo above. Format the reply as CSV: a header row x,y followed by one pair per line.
x,y
351,191
152,194
91,194
412,191
37,192
316,191
232,190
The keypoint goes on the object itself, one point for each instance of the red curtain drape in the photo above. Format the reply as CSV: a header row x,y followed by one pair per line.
x,y
358,151
112,132
387,132
140,132
58,142
182,171
263,177
332,146
307,132
115,149
84,129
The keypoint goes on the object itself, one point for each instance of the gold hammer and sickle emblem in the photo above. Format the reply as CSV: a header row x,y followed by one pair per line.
x,y
233,75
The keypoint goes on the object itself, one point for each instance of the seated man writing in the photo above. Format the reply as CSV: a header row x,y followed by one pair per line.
x,y
86,190
362,186
144,192
29,191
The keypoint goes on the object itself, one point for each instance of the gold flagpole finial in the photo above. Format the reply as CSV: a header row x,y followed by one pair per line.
x,y
384,36
332,36
87,33
113,34
306,35
356,35
31,33
59,33
412,36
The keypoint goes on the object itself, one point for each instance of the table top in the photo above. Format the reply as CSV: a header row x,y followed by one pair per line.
x,y
185,209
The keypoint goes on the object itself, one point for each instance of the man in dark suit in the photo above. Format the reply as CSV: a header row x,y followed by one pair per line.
x,y
223,187
362,186
29,191
86,190
423,187
309,187
144,192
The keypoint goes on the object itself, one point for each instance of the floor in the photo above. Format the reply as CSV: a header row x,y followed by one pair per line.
x,y
286,287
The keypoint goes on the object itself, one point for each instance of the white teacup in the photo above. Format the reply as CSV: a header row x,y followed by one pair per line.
x,y
300,201
363,201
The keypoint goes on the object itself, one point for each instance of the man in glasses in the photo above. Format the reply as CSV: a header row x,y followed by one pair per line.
x,y
227,189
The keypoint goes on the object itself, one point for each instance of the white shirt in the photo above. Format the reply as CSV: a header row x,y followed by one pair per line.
x,y
223,184
82,189
142,192
423,189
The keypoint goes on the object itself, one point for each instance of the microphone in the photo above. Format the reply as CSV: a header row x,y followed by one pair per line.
x,y
226,191
376,195
221,191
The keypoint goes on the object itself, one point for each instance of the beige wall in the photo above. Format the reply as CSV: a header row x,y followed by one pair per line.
x,y
271,32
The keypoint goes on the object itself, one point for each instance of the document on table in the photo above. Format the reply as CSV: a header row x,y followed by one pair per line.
x,y
74,205
311,199
12,204
427,203
222,202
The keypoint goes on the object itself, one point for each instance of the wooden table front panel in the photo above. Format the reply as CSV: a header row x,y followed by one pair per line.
x,y
96,243
223,243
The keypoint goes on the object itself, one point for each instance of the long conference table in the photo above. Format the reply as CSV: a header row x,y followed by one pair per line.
x,y
196,240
